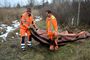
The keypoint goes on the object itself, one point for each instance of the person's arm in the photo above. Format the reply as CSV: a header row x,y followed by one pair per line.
x,y
33,23
54,22
55,25
63,34
23,21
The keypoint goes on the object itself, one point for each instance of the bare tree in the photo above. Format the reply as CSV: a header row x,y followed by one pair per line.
x,y
43,2
78,17
7,4
18,5
31,3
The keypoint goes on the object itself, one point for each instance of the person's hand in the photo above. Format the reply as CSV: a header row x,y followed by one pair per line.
x,y
29,27
56,33
37,29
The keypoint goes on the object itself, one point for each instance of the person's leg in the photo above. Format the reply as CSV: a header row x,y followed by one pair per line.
x,y
56,44
87,33
29,42
50,34
23,42
22,33
55,41
64,32
82,34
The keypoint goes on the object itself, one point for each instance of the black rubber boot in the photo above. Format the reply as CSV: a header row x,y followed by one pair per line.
x,y
23,43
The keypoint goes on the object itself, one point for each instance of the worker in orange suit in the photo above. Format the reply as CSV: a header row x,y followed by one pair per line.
x,y
52,30
25,22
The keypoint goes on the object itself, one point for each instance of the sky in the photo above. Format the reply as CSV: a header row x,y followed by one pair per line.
x,y
13,3
21,2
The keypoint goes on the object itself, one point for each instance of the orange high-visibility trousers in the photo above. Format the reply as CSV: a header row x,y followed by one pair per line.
x,y
24,32
51,35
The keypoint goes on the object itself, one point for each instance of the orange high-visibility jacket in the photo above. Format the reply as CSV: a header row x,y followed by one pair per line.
x,y
25,21
51,24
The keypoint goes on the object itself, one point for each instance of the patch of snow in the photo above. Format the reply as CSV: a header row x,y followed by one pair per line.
x,y
17,33
1,32
3,25
4,36
12,37
9,28
14,26
37,18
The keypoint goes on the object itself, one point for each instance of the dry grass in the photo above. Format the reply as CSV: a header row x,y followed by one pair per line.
x,y
35,12
8,15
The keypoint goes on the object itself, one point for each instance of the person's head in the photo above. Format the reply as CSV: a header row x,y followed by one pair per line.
x,y
28,10
48,13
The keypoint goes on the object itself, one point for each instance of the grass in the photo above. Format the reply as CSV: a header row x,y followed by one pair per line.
x,y
41,24
7,15
10,50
